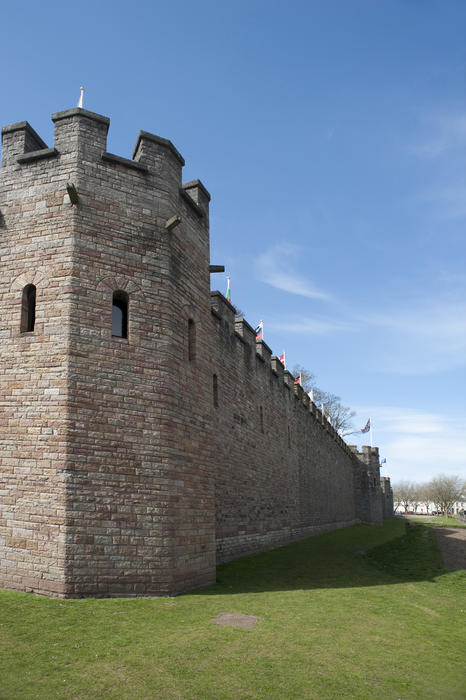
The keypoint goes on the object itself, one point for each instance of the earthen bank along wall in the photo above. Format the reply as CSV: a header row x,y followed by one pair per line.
x,y
130,464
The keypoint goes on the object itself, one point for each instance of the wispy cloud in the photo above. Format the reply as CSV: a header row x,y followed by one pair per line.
x,y
418,444
443,134
312,326
449,201
410,338
442,140
452,201
410,421
421,339
277,267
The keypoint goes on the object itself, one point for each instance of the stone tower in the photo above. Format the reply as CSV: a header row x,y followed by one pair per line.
x,y
367,485
106,451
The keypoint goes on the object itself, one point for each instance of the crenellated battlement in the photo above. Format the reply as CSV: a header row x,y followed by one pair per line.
x,y
19,140
80,151
225,312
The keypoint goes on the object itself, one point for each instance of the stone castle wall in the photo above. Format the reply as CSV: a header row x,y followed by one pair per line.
x,y
124,472
35,248
282,471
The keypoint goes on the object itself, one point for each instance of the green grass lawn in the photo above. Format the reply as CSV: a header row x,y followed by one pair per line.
x,y
366,612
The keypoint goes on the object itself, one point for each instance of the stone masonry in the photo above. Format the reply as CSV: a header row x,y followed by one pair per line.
x,y
130,465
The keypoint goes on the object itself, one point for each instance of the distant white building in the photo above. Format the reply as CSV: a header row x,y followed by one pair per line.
x,y
427,508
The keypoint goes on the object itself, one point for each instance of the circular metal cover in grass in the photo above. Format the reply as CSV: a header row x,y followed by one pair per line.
x,y
236,620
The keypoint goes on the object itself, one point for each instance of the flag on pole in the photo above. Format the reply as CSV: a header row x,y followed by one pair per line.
x,y
367,427
260,330
383,461
228,294
298,380
282,359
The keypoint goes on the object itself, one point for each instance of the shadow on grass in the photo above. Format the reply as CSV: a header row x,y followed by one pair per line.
x,y
358,556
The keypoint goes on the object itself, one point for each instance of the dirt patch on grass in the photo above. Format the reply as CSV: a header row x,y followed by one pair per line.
x,y
236,620
452,545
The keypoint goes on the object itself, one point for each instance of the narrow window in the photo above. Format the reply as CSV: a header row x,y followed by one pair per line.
x,y
28,308
120,314
261,413
191,340
215,390
289,437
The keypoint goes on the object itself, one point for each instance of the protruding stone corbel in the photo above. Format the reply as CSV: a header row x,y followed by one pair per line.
x,y
172,222
72,193
216,268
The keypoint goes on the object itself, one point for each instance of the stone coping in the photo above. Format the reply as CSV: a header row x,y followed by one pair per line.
x,y
187,198
192,184
127,162
240,319
18,126
160,141
38,155
24,126
79,112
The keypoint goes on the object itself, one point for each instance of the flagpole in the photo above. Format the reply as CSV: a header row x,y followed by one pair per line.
x,y
371,431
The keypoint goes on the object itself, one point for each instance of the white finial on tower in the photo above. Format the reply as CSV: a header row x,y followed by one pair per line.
x,y
80,102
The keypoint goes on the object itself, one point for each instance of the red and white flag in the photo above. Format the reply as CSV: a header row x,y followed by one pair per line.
x,y
367,427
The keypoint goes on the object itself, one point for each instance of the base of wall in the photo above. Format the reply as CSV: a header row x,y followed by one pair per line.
x,y
114,588
229,548
34,584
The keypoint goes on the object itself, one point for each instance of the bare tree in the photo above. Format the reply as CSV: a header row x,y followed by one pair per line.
x,y
340,416
403,494
445,491
396,500
416,496
425,497
308,379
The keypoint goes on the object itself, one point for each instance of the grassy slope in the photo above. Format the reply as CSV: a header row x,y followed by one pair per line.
x,y
337,621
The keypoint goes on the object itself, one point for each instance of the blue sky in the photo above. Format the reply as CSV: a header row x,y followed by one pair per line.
x,y
331,136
